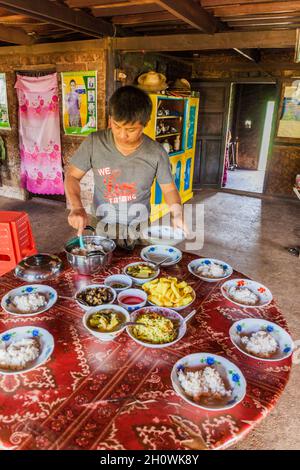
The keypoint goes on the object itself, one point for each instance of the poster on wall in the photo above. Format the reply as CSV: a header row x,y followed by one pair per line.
x,y
4,119
289,124
79,97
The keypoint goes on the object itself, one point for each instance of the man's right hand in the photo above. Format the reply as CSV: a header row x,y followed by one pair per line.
x,y
78,219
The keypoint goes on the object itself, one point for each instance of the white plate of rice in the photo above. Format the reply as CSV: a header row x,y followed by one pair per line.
x,y
29,300
246,293
24,348
199,378
210,269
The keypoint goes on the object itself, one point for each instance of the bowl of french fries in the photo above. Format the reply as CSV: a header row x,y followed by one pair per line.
x,y
169,292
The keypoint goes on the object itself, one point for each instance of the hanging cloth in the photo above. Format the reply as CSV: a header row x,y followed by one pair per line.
x,y
39,134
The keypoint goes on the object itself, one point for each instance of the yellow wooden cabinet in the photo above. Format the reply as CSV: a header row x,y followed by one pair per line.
x,y
173,123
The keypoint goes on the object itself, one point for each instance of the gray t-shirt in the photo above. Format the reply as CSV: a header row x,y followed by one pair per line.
x,y
121,181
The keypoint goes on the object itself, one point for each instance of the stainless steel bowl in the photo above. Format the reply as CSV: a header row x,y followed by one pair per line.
x,y
93,263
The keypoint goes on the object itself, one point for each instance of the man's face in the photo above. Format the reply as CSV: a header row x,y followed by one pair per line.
x,y
73,86
126,134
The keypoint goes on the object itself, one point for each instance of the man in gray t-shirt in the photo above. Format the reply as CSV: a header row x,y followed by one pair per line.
x,y
125,163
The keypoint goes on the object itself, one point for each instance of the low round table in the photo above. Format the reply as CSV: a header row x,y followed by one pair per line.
x,y
118,395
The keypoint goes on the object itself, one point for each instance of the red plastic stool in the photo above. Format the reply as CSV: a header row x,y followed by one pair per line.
x,y
16,239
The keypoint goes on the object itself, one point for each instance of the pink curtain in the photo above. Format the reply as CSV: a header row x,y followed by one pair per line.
x,y
39,134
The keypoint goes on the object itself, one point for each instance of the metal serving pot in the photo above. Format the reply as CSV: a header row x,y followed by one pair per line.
x,y
91,263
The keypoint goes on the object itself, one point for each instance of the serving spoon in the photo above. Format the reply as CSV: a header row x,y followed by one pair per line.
x,y
131,323
160,262
128,323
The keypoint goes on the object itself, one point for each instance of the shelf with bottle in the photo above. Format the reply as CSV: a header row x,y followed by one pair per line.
x,y
169,117
167,135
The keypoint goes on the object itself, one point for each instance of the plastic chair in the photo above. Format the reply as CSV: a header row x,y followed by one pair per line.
x,y
16,239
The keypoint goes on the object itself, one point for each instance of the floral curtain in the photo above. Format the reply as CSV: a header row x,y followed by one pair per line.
x,y
39,134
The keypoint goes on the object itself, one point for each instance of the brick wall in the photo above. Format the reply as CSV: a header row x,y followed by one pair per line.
x,y
59,57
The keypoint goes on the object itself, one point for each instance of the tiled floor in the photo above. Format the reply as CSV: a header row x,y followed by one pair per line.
x,y
249,233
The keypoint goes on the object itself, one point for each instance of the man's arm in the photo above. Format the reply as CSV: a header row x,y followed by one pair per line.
x,y
173,200
78,217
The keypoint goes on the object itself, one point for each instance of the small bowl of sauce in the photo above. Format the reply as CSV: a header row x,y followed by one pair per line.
x,y
132,299
118,282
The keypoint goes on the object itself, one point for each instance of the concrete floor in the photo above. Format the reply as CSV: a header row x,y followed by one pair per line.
x,y
249,233
246,180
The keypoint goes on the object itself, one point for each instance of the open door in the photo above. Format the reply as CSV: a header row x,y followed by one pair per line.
x,y
211,134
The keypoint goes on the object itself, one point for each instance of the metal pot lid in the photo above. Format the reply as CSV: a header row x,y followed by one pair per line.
x,y
41,265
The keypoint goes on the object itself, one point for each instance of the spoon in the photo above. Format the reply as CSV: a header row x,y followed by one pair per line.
x,y
128,323
160,262
81,242
189,316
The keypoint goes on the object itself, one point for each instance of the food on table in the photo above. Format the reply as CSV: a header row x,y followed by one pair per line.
x,y
204,385
260,344
19,354
211,270
141,271
169,292
243,295
29,302
118,285
106,321
95,296
131,300
157,330
88,248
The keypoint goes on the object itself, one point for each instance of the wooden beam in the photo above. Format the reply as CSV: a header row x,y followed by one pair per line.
x,y
143,18
60,15
251,54
213,3
105,3
191,13
194,42
121,10
17,19
15,35
268,16
260,8
262,23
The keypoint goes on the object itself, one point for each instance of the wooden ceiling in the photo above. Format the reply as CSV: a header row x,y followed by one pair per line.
x,y
32,21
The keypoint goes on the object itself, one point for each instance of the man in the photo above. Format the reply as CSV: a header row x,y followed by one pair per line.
x,y
125,163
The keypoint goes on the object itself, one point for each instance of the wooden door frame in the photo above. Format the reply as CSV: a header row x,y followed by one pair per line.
x,y
259,80
220,83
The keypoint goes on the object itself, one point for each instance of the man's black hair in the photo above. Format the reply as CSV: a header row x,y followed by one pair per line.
x,y
130,104
72,81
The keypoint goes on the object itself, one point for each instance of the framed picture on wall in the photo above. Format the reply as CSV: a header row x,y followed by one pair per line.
x,y
4,119
79,93
289,121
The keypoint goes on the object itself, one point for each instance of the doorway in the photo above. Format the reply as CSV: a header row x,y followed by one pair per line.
x,y
250,119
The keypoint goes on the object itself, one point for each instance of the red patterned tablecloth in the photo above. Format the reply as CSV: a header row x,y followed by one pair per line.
x,y
91,395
